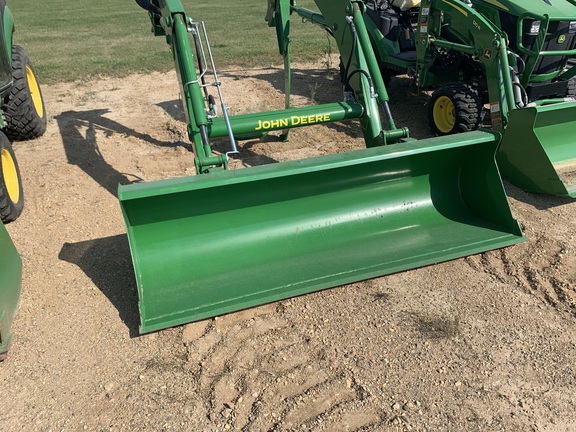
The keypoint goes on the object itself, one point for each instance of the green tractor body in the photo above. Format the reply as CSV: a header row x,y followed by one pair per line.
x,y
224,239
491,57
23,117
5,54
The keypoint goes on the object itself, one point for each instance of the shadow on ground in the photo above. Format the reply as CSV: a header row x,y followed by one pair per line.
x,y
107,262
538,201
78,130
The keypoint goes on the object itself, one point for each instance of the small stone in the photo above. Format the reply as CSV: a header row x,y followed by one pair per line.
x,y
407,406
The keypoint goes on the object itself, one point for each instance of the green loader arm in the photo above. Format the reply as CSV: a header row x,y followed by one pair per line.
x,y
170,20
343,19
442,23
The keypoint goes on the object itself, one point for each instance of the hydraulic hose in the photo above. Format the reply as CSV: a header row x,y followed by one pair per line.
x,y
352,51
145,4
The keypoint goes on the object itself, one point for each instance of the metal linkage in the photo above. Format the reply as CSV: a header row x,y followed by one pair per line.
x,y
202,48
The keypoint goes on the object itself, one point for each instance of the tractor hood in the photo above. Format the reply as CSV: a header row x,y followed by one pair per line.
x,y
555,9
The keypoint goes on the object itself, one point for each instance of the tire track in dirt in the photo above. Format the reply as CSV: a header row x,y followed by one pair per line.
x,y
258,370
544,267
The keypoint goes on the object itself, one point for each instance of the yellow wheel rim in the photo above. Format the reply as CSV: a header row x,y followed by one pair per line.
x,y
10,175
34,91
444,117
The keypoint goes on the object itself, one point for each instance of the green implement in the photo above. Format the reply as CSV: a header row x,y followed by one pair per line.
x,y
227,240
508,55
207,245
22,117
10,286
538,151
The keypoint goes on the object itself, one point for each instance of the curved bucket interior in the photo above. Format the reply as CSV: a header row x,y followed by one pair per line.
x,y
211,244
538,149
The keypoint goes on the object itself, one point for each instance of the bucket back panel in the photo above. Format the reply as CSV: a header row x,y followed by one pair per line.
x,y
204,246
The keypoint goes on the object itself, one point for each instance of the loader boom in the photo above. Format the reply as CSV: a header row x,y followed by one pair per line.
x,y
229,239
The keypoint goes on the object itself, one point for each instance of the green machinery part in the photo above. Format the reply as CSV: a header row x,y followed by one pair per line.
x,y
447,32
538,150
227,240
10,286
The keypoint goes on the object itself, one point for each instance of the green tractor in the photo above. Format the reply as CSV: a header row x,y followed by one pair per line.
x,y
226,239
23,117
502,62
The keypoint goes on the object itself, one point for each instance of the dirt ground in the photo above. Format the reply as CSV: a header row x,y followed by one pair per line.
x,y
483,343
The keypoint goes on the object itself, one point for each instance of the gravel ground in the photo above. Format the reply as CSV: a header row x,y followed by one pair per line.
x,y
482,343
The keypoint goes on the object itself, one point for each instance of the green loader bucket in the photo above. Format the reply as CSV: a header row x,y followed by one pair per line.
x,y
207,245
538,150
10,286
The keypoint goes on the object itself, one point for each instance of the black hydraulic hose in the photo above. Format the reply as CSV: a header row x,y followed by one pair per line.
x,y
384,103
145,4
352,51
521,64
362,72
200,64
523,92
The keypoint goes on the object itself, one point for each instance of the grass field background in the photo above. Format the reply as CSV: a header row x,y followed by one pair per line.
x,y
79,39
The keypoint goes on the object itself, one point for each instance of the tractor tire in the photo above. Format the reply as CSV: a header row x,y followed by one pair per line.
x,y
23,107
454,108
11,196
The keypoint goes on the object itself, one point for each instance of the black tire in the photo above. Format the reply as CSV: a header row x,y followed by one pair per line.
x,y
454,108
11,196
23,107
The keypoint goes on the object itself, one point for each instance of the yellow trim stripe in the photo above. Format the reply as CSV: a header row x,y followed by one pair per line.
x,y
459,9
497,4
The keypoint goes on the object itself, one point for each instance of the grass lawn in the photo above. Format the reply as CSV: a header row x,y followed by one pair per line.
x,y
71,40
